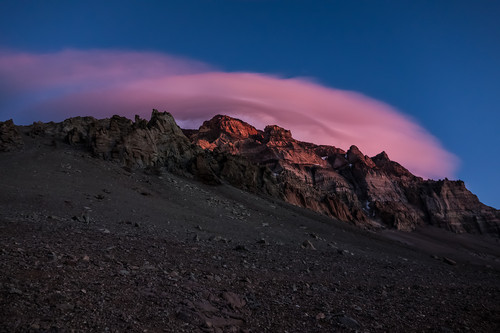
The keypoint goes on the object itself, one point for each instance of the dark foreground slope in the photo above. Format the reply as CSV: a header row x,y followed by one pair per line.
x,y
89,245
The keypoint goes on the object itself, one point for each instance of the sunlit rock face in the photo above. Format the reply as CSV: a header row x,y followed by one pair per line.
x,y
371,192
155,144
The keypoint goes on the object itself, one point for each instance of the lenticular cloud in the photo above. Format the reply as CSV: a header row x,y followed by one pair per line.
x,y
101,83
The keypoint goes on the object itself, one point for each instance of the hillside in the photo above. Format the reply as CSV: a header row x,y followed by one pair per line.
x,y
130,226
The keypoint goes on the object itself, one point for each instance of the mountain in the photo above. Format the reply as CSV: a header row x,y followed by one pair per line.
x,y
370,192
348,185
130,226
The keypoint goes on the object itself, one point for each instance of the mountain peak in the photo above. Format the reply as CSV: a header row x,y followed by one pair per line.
x,y
277,133
350,186
355,155
219,125
383,162
382,156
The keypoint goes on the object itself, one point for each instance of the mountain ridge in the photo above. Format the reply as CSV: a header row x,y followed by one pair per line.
x,y
370,192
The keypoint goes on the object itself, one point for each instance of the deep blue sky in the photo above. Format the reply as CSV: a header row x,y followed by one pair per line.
x,y
436,61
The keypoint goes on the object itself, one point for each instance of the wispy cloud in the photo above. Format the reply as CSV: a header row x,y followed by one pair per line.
x,y
102,83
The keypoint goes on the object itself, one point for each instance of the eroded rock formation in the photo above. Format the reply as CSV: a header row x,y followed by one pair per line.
x,y
371,192
348,185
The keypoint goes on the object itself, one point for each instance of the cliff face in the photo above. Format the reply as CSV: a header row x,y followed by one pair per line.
x,y
153,144
369,192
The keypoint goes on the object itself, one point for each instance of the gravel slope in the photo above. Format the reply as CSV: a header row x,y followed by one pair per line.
x,y
86,245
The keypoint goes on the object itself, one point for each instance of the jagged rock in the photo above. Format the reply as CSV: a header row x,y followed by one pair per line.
x,y
221,130
308,245
276,134
354,155
369,192
350,186
10,138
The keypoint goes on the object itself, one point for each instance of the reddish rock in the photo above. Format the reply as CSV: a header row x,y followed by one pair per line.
x,y
369,192
350,186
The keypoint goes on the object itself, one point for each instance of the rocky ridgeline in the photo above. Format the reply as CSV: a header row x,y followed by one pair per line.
x,y
369,192
155,144
350,186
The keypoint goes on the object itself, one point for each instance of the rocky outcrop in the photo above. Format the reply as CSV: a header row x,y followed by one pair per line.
x,y
10,138
156,144
367,191
371,192
136,144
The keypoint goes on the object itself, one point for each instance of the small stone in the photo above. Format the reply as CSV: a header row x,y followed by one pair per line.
x,y
15,291
247,280
308,245
86,258
449,261
65,306
348,322
52,256
263,241
124,272
86,216
241,248
320,316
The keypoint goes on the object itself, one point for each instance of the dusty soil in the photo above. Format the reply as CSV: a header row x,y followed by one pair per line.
x,y
86,245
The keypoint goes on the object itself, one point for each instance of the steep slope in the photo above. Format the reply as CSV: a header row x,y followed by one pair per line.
x,y
373,192
157,143
90,245
369,192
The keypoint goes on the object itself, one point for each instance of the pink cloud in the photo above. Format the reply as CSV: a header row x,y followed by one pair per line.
x,y
103,83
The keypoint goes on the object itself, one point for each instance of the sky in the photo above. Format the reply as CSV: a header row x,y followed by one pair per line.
x,y
417,79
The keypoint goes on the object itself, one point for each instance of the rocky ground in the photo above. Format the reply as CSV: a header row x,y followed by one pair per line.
x,y
86,245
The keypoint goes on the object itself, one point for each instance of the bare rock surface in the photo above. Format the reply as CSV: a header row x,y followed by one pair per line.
x,y
369,192
94,245
373,193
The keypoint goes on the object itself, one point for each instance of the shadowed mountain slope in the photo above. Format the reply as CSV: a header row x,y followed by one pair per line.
x,y
105,226
348,185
